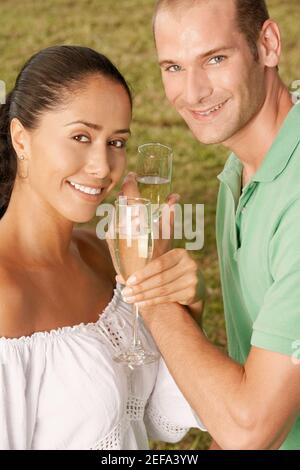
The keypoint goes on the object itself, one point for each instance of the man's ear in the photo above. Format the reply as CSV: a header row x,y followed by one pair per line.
x,y
20,138
269,44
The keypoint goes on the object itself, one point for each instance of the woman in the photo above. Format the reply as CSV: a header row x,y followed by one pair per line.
x,y
63,132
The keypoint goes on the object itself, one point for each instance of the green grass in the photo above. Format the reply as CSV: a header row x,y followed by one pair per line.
x,y
122,30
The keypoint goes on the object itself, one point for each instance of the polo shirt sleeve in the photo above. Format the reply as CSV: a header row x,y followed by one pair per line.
x,y
277,326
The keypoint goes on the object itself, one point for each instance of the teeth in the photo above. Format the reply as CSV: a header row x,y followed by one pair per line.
x,y
85,189
212,110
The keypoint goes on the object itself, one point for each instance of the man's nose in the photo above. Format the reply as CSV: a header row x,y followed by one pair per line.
x,y
98,163
197,87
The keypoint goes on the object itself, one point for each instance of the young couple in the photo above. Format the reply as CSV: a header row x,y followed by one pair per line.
x,y
63,132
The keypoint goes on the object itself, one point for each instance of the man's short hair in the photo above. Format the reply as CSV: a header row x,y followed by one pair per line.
x,y
251,15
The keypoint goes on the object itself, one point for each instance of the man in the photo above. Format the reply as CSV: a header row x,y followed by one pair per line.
x,y
219,62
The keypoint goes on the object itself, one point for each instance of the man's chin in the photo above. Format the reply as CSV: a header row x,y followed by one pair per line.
x,y
210,138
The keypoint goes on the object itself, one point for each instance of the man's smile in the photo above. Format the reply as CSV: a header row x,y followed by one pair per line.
x,y
208,114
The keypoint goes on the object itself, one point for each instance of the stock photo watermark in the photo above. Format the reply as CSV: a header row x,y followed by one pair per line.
x,y
188,224
2,92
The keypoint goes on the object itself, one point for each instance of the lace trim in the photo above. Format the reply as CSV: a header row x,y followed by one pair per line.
x,y
110,328
113,440
68,329
135,411
163,425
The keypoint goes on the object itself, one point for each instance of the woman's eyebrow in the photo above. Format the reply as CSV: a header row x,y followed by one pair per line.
x,y
97,127
85,123
123,131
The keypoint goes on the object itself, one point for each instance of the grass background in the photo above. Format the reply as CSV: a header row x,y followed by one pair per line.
x,y
122,30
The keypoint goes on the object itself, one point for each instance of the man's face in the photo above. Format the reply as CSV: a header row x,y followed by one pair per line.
x,y
208,70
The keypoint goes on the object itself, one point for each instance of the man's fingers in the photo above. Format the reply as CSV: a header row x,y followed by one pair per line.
x,y
120,279
161,279
173,198
181,291
183,297
165,261
130,186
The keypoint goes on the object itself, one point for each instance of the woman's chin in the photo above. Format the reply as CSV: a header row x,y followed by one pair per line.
x,y
82,219
78,217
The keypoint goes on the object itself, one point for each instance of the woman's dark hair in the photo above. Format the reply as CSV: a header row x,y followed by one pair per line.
x,y
40,86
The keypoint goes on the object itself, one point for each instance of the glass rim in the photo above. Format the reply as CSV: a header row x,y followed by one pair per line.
x,y
144,201
158,144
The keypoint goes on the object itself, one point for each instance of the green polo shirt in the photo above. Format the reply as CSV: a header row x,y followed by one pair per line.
x,y
258,238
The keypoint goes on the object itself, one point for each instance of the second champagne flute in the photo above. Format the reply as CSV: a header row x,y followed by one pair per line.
x,y
154,173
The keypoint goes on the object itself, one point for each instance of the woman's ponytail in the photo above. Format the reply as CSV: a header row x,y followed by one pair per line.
x,y
8,165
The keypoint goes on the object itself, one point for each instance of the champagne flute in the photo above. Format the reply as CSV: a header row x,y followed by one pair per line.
x,y
154,173
132,249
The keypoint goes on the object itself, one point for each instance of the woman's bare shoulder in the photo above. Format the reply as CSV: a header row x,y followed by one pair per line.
x,y
12,300
94,251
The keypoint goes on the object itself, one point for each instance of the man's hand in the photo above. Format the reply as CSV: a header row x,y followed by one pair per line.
x,y
171,275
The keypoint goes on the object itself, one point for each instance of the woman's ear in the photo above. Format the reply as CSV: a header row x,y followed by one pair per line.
x,y
270,44
20,138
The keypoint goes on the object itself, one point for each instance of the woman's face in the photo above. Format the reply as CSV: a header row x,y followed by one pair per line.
x,y
77,153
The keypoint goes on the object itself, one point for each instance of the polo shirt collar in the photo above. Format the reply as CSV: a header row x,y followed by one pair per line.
x,y
232,175
282,148
276,158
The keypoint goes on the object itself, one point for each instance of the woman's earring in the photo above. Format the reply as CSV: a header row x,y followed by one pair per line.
x,y
22,167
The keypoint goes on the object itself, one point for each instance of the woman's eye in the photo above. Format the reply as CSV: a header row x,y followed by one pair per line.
x,y
117,143
173,68
81,138
217,60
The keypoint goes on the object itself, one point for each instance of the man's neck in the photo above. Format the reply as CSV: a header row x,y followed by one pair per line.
x,y
252,143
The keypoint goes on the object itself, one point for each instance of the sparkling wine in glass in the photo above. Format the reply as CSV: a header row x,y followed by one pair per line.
x,y
154,173
133,247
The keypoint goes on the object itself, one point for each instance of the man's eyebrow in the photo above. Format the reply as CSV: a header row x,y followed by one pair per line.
x,y
217,50
97,127
200,56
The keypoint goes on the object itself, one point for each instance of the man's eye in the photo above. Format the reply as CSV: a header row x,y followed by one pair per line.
x,y
173,68
119,144
217,59
81,138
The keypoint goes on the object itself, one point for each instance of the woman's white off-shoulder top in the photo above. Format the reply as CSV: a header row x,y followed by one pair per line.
x,y
62,390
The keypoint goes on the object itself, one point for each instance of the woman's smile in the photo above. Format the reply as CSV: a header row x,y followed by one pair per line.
x,y
88,193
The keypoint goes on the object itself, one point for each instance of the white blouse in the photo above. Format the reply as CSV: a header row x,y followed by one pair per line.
x,y
62,390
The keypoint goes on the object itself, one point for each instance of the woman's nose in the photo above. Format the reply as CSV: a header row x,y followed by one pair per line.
x,y
98,164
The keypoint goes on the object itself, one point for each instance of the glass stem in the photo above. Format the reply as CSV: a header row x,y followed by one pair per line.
x,y
135,337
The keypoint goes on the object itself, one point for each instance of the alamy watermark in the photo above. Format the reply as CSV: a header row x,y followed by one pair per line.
x,y
188,224
2,92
